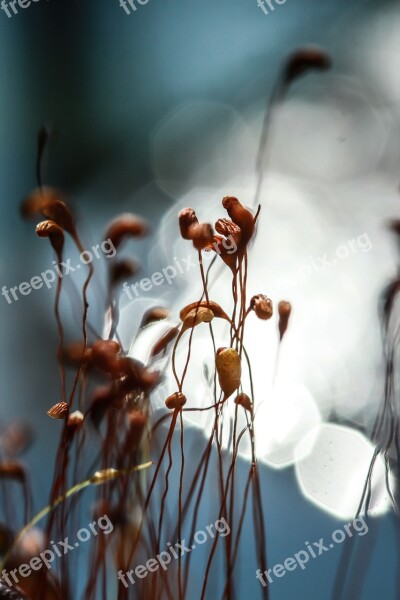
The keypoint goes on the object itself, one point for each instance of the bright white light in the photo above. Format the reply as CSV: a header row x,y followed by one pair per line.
x,y
318,196
377,50
330,133
333,474
284,417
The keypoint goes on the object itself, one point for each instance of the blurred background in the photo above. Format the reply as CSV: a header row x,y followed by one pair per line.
x,y
162,109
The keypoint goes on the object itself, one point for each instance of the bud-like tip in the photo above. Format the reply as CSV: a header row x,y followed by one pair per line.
x,y
58,411
262,306
284,311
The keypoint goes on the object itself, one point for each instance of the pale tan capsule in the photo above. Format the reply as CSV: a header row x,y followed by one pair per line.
x,y
104,475
197,316
58,411
54,232
229,369
216,309
175,401
243,400
75,420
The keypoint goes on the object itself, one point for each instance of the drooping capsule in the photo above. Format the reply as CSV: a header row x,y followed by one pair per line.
x,y
262,306
197,316
213,306
241,216
243,400
54,232
303,60
157,313
125,226
104,354
162,344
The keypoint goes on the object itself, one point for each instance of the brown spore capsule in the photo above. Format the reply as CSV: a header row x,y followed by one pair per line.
x,y
187,219
122,270
175,401
101,401
75,354
125,226
226,227
262,306
241,216
60,213
164,341
33,204
104,353
210,304
202,235
284,311
306,59
15,439
244,400
12,469
136,425
197,316
158,313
